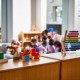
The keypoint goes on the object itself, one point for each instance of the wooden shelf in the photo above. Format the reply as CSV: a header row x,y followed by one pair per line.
x,y
26,37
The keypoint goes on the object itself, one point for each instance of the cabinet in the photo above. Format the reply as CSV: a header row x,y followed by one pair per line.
x,y
26,37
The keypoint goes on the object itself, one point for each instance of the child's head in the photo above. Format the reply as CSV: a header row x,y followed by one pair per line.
x,y
57,44
45,32
44,38
51,42
36,37
33,41
44,43
49,37
39,38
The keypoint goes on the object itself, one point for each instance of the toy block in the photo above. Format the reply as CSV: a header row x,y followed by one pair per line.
x,y
27,58
1,55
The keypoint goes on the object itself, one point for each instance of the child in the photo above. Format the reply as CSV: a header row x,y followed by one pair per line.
x,y
34,44
43,47
44,38
58,46
51,46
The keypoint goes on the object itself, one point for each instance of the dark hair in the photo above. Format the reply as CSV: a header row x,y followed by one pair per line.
x,y
45,32
44,38
51,42
44,43
33,40
39,38
57,43
49,37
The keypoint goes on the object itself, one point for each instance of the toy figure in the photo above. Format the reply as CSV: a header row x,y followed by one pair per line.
x,y
14,49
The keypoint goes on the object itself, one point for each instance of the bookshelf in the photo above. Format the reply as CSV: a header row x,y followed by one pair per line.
x,y
26,37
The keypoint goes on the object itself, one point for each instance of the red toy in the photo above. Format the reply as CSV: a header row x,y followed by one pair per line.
x,y
34,54
25,52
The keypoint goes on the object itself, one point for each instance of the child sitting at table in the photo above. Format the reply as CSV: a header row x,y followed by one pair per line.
x,y
34,44
43,47
58,46
51,46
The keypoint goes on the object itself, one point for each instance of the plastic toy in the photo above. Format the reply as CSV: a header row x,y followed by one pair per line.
x,y
34,54
25,55
1,55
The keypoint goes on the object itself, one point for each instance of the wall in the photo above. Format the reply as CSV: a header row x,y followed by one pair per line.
x,y
68,15
33,12
77,15
21,17
43,14
38,14
0,13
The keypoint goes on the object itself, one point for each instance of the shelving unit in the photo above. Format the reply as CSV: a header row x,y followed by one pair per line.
x,y
26,37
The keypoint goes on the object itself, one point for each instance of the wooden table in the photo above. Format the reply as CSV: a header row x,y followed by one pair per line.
x,y
70,65
43,69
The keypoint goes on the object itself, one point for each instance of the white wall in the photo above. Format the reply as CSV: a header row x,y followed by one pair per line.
x,y
21,17
68,15
33,12
0,13
77,15
38,14
43,14
71,15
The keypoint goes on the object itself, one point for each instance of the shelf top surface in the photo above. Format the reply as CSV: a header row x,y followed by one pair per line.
x,y
11,65
33,32
58,56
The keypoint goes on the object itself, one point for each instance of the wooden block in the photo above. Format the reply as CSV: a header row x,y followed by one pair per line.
x,y
3,60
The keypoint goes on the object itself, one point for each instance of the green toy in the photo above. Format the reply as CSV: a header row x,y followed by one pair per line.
x,y
1,55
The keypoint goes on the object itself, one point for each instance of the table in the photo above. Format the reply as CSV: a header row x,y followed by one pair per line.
x,y
43,69
70,65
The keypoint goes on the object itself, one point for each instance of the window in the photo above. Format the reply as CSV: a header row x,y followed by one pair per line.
x,y
58,14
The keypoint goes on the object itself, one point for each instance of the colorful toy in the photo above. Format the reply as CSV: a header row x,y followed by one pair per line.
x,y
2,60
25,55
14,49
1,55
30,54
34,54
